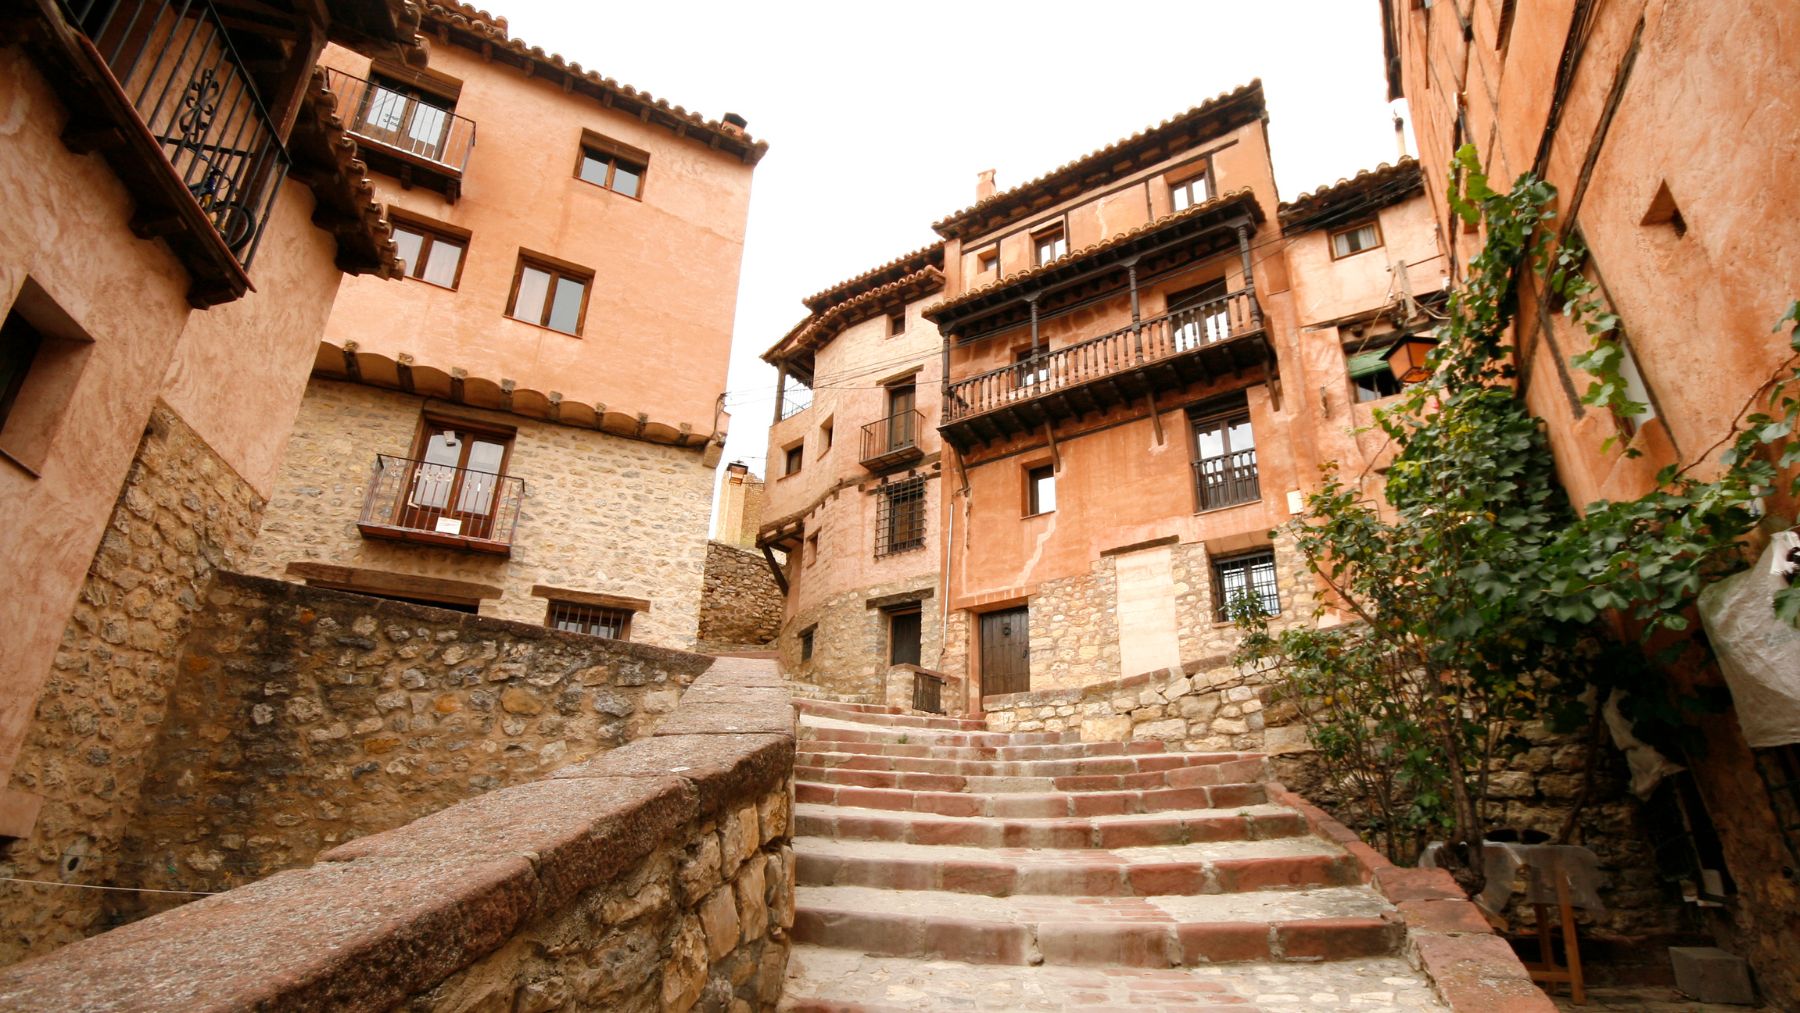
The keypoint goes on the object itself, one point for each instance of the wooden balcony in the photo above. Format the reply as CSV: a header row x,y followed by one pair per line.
x,y
415,141
1226,481
893,441
1221,337
434,504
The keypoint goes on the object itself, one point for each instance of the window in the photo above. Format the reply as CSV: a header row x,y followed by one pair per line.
x,y
1199,316
902,421
404,117
825,435
550,295
42,355
1251,575
794,459
456,477
1049,244
19,344
988,259
896,324
429,254
1371,376
812,549
806,642
1225,460
1635,390
607,163
900,517
1355,239
1189,192
1032,367
593,620
1040,490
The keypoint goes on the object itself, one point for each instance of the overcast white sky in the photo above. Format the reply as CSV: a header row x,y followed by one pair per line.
x,y
878,116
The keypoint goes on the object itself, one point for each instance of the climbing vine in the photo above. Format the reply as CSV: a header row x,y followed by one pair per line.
x,y
1474,587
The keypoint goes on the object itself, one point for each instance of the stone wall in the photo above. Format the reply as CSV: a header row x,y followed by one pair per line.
x,y
181,514
850,639
304,718
656,877
740,604
601,514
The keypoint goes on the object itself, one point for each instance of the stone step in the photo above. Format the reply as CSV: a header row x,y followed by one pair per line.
x,y
1330,923
825,980
1217,867
832,730
1099,766
1256,822
1036,805
888,716
1065,751
1225,772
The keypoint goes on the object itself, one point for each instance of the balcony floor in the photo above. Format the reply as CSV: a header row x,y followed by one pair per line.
x,y
395,533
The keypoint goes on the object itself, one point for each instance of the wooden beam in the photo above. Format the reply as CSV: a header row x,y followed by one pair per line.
x,y
611,601
1055,455
409,585
458,377
352,368
775,568
1155,418
403,369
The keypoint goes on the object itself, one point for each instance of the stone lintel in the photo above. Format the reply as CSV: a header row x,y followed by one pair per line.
x,y
900,598
611,601
1152,543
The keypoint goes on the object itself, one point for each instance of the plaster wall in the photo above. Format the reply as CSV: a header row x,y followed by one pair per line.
x,y
657,330
601,513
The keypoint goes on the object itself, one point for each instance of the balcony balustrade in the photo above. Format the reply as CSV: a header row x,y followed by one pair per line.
x,y
1227,480
893,441
1217,337
408,136
434,504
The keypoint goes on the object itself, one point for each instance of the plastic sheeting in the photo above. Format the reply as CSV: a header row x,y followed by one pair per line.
x,y
1758,653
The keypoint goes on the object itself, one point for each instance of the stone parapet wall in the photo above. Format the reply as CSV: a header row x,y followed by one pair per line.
x,y
182,514
740,603
658,876
304,718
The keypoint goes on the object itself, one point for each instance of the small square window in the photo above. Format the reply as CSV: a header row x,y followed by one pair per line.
x,y
806,642
988,259
825,435
607,163
794,458
429,254
1251,575
896,323
1189,192
593,620
1355,239
812,549
1040,490
1049,244
550,296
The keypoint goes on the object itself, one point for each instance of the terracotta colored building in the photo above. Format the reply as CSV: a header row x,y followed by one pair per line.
x,y
181,207
854,474
1670,133
501,431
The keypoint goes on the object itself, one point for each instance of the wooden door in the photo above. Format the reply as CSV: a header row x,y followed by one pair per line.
x,y
903,637
1005,652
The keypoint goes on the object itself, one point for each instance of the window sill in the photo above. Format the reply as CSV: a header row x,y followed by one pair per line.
x,y
1232,506
601,186
447,288
541,327
1040,513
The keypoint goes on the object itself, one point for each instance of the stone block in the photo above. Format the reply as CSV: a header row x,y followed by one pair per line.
x,y
1709,974
1108,729
753,909
719,918
684,976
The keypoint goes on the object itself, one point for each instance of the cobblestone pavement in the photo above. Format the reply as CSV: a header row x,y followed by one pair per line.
x,y
887,983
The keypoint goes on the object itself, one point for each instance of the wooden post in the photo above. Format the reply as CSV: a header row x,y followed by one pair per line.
x,y
780,391
1031,300
1137,334
1243,236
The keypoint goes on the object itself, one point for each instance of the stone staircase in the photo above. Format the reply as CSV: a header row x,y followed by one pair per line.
x,y
945,867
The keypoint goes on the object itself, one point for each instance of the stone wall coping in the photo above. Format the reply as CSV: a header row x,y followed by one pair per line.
x,y
388,916
1075,694
1473,970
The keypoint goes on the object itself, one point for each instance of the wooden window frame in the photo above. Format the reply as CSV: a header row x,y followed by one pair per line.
x,y
1247,558
1332,234
1052,232
1186,183
1223,416
601,148
432,233
558,270
1032,471
793,458
896,324
912,609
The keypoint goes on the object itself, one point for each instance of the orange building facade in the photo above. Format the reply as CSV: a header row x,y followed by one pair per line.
x,y
182,206
503,431
1671,136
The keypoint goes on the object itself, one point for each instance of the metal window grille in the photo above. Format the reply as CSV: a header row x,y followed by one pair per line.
x,y
593,620
900,517
1252,575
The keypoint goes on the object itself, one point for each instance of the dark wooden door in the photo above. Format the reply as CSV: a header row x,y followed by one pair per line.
x,y
903,638
1005,652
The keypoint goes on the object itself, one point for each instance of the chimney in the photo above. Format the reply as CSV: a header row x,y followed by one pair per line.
x,y
733,124
984,185
1400,135
737,470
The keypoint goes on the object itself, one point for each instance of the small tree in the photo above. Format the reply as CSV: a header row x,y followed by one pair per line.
x,y
1474,593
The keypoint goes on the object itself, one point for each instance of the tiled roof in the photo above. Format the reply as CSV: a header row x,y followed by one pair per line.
x,y
1240,196
490,35
1369,189
1247,101
899,267
344,198
820,327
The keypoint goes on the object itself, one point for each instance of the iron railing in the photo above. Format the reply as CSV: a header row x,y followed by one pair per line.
x,y
1227,480
1129,347
894,435
420,501
176,64
383,115
928,692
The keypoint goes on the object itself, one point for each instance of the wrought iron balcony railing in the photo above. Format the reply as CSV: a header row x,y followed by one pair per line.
x,y
893,440
426,133
1218,323
1227,480
179,71
418,501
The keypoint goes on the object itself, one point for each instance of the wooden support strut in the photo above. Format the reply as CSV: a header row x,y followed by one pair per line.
x,y
775,568
1055,454
1155,419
